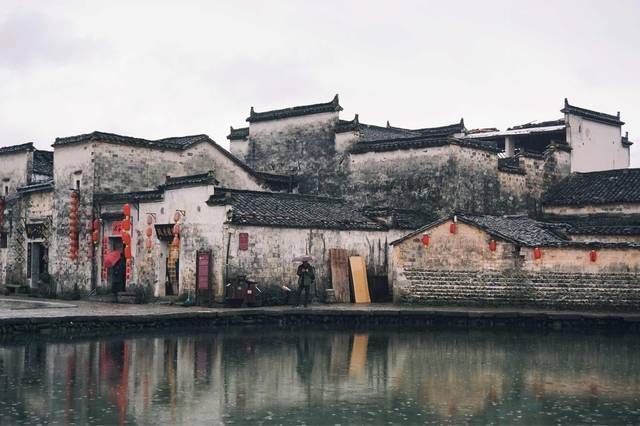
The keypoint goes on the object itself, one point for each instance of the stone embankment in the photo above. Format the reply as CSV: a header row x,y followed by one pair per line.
x,y
88,319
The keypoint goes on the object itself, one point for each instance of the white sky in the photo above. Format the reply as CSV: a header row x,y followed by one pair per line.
x,y
157,69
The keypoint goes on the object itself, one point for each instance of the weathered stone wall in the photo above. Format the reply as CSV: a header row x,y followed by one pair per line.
x,y
14,171
577,260
606,238
73,164
269,259
299,145
123,168
550,289
613,209
451,178
595,146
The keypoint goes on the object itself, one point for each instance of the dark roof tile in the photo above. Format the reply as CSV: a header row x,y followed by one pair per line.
x,y
17,148
599,117
417,142
291,210
190,180
277,114
238,134
605,187
174,143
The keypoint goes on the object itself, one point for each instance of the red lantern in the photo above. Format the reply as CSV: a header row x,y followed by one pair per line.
x,y
95,236
73,222
452,228
492,245
175,242
96,225
126,210
127,252
126,238
74,203
537,253
129,263
425,240
126,224
593,255
149,231
176,217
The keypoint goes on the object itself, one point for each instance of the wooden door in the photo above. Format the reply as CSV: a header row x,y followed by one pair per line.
x,y
340,274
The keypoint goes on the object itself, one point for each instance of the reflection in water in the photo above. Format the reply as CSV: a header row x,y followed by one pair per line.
x,y
319,377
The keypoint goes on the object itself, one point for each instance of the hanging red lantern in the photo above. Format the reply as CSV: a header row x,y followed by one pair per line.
x,y
74,195
126,238
452,228
537,253
127,252
593,255
492,245
176,229
96,224
74,203
126,224
149,231
425,240
175,242
149,245
126,210
95,236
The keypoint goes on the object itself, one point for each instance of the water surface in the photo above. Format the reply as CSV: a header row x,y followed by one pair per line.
x,y
259,376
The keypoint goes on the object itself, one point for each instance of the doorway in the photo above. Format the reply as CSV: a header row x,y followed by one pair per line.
x,y
37,263
117,273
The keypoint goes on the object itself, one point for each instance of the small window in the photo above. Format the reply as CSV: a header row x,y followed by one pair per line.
x,y
6,190
3,240
78,185
243,241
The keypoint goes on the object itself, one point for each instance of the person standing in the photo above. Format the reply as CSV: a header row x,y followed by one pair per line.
x,y
306,277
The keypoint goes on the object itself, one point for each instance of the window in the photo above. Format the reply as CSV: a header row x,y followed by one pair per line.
x,y
6,190
243,241
3,240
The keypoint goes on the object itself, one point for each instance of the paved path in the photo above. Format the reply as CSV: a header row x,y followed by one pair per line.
x,y
25,307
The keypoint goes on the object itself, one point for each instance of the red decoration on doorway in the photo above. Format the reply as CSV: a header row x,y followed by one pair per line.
x,y
453,228
593,255
492,245
425,240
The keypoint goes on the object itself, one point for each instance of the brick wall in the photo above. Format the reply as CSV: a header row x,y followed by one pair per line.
x,y
513,288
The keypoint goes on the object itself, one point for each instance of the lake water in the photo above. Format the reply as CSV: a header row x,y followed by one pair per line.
x,y
260,376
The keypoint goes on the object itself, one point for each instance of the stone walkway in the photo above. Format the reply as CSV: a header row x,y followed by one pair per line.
x,y
41,309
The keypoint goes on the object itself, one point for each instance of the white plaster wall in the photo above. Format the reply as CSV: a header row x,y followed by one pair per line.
x,y
13,171
620,208
344,140
284,125
595,146
239,148
40,204
441,152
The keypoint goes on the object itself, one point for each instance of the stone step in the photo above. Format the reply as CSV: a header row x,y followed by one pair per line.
x,y
126,297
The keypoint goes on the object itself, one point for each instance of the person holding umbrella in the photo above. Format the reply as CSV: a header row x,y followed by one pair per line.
x,y
306,276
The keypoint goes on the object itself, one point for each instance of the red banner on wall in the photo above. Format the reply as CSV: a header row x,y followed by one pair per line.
x,y
116,228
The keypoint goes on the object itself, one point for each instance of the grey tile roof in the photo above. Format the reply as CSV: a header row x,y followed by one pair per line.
x,y
128,197
291,210
277,114
37,187
417,142
598,224
605,187
518,229
190,180
400,218
174,143
534,125
43,162
600,117
238,134
17,148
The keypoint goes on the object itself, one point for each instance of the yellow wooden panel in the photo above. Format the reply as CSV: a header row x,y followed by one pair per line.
x,y
359,278
358,355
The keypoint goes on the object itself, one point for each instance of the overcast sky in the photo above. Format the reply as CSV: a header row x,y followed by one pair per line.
x,y
157,69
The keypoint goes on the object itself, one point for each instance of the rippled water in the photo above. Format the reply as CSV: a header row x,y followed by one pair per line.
x,y
317,377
